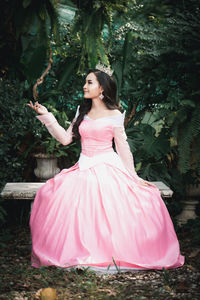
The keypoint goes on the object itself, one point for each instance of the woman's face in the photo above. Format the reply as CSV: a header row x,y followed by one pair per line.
x,y
92,88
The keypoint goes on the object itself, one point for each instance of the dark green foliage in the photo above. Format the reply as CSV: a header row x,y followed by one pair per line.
x,y
153,47
157,70
15,131
28,27
150,152
21,134
185,123
25,29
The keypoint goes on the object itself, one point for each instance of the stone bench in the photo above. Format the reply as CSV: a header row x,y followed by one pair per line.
x,y
27,190
21,190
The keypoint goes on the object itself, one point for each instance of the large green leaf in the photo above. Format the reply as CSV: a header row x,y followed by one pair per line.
x,y
67,69
35,65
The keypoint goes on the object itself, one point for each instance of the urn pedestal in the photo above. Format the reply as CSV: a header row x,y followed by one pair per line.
x,y
46,167
189,205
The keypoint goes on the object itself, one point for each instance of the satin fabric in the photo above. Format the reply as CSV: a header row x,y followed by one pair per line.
x,y
95,213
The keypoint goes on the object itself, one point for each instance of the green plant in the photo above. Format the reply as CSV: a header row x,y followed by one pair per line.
x,y
150,150
21,133
26,27
44,143
90,39
153,48
185,123
157,71
15,131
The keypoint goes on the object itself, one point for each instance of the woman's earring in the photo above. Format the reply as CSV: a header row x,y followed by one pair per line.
x,y
101,96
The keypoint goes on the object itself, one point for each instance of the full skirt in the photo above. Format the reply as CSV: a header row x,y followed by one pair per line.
x,y
101,217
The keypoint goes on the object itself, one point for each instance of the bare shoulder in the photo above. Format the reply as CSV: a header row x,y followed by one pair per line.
x,y
115,112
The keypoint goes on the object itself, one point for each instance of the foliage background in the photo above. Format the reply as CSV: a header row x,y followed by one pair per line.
x,y
153,47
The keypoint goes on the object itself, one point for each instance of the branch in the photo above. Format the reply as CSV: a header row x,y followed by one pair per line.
x,y
41,79
131,115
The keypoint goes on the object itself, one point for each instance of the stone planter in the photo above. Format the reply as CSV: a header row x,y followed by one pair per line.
x,y
46,167
189,205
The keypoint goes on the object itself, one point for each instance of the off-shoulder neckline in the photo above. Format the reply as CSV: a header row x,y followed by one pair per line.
x,y
106,117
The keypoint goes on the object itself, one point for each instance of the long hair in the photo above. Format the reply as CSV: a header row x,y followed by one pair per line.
x,y
110,94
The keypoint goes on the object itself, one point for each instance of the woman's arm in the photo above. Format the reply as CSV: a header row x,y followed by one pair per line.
x,y
123,150
65,137
57,131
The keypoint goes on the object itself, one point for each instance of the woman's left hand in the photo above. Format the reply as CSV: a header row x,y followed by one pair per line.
x,y
145,183
40,109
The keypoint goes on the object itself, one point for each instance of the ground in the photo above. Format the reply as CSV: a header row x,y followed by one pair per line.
x,y
20,281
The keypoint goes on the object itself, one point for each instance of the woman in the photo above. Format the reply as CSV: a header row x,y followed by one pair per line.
x,y
99,213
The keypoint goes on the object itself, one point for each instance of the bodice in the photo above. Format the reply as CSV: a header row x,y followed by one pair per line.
x,y
97,135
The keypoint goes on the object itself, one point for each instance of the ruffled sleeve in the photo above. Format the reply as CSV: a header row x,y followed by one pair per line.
x,y
65,137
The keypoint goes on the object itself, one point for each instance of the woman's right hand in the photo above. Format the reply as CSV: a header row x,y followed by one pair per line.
x,y
40,109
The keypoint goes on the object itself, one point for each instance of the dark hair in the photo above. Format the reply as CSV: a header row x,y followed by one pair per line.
x,y
110,99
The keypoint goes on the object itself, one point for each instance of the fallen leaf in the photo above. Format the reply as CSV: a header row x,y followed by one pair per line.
x,y
46,294
167,287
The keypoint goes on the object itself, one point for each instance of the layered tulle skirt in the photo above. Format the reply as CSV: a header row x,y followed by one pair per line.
x,y
99,217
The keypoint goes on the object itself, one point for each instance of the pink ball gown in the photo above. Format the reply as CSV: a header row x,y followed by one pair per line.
x,y
99,213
